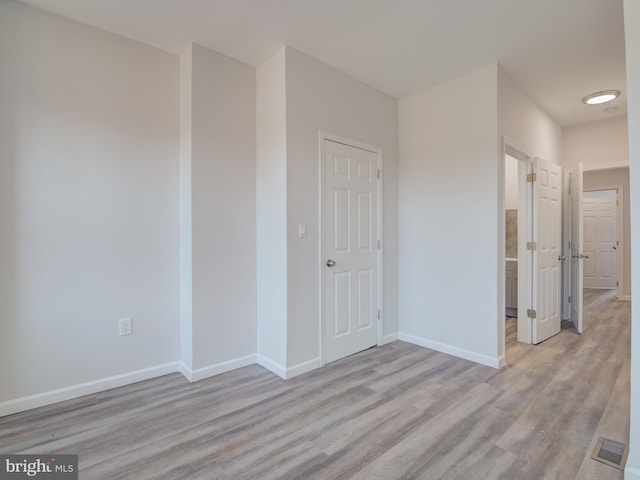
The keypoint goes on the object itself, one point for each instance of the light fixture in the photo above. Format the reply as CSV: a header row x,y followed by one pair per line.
x,y
601,97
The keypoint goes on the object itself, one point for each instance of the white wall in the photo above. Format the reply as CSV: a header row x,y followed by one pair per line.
x,y
271,191
632,37
89,141
186,228
601,144
524,122
298,97
321,98
448,217
223,210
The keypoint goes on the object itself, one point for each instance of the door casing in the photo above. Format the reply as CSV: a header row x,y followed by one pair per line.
x,y
525,231
619,232
321,231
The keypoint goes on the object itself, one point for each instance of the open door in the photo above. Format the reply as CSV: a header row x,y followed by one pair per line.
x,y
577,235
546,246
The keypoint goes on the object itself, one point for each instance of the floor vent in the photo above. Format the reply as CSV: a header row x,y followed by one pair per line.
x,y
610,452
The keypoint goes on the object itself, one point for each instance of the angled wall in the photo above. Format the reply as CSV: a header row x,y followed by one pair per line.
x,y
218,173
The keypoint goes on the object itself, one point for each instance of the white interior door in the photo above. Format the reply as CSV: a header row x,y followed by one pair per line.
x,y
547,218
350,250
599,245
576,243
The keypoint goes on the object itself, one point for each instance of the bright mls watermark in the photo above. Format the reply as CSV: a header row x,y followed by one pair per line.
x,y
51,467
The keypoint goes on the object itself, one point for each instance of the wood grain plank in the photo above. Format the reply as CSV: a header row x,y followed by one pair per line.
x,y
396,411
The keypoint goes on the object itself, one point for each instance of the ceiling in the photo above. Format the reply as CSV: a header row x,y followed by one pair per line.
x,y
557,50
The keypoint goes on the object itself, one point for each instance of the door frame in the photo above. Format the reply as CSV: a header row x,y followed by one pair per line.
x,y
324,135
525,231
619,189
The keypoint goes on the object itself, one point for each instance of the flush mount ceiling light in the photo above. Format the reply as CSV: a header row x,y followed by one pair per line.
x,y
601,97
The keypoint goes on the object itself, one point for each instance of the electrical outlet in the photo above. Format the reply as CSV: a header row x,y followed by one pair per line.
x,y
125,326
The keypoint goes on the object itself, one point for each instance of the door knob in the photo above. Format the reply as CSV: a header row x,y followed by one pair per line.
x,y
562,257
331,263
615,248
586,256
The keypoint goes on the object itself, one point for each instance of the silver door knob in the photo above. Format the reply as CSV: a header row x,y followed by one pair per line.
x,y
586,256
615,248
331,263
562,257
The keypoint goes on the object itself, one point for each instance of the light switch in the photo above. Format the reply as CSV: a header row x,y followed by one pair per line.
x,y
302,230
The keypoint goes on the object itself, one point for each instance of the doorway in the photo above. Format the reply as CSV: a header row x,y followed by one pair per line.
x,y
534,272
600,239
515,272
513,221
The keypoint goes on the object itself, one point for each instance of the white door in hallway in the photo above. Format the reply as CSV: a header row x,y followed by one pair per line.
x,y
350,239
576,244
600,241
547,222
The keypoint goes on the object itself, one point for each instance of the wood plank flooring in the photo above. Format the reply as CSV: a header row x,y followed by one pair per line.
x,y
392,412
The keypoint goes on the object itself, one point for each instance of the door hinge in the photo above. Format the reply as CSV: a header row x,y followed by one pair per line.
x,y
531,313
531,177
378,314
569,299
378,174
617,284
378,244
531,246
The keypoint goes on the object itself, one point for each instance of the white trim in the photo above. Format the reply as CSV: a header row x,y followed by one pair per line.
x,y
67,393
502,361
605,166
632,473
289,372
391,337
324,135
271,365
620,230
217,369
626,298
303,367
525,211
451,350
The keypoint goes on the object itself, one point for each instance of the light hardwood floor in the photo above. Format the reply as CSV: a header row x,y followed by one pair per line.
x,y
397,411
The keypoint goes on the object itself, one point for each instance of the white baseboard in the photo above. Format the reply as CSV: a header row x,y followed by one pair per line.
x,y
288,372
502,361
451,350
631,473
303,368
217,369
53,396
392,337
271,365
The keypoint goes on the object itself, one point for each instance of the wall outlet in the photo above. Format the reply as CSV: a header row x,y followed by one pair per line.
x,y
125,326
